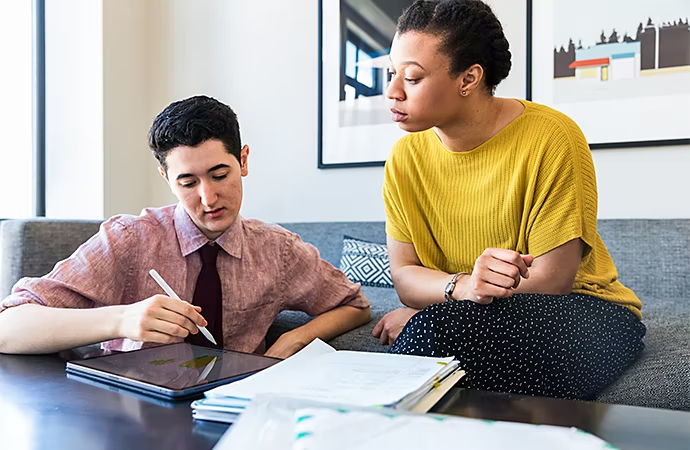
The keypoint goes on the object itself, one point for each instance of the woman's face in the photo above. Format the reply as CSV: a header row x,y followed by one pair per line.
x,y
421,90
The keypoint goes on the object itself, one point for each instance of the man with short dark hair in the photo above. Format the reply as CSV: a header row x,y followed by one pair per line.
x,y
238,274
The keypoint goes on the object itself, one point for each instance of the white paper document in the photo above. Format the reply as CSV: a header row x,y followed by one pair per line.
x,y
272,423
321,373
321,428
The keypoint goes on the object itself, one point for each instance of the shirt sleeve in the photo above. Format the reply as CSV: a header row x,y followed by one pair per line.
x,y
312,285
396,225
96,274
564,203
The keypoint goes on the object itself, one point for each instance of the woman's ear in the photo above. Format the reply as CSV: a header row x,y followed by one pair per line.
x,y
470,80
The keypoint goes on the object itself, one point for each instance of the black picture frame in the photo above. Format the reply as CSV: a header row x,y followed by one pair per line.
x,y
321,164
530,13
331,131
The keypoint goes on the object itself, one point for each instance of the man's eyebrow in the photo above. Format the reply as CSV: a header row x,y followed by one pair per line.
x,y
218,166
212,169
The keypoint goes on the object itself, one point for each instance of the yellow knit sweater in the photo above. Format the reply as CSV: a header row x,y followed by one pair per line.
x,y
530,188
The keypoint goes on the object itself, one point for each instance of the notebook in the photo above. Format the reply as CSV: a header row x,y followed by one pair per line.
x,y
171,371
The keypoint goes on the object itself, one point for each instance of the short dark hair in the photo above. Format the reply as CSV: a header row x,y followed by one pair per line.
x,y
191,122
470,34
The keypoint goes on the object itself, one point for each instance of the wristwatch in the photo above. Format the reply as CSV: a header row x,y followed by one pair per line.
x,y
450,287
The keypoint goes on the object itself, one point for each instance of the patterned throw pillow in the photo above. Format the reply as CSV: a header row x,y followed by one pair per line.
x,y
366,262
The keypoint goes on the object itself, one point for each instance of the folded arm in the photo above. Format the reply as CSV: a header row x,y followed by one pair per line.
x,y
326,326
496,273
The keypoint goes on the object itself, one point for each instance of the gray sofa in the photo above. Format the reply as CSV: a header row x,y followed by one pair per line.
x,y
652,257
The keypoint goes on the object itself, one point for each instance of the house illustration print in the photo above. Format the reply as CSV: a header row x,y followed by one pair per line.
x,y
608,61
663,48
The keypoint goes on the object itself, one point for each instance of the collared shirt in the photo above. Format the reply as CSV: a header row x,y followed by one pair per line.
x,y
264,269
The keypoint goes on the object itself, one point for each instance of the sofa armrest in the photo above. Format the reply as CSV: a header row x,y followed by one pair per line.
x,y
32,247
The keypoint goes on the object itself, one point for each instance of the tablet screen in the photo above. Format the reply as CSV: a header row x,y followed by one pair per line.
x,y
177,366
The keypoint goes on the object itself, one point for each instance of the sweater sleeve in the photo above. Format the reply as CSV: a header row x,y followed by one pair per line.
x,y
565,200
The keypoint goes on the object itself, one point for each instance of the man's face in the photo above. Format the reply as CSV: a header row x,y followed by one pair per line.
x,y
207,180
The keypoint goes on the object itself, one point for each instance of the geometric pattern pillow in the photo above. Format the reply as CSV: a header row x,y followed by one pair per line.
x,y
366,262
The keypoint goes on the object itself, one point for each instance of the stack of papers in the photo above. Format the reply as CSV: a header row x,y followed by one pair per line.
x,y
320,373
272,422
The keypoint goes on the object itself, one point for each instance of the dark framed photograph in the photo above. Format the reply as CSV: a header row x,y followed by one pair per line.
x,y
355,126
620,69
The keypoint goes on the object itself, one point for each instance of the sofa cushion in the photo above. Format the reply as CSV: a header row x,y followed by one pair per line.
x,y
327,237
366,263
652,256
660,378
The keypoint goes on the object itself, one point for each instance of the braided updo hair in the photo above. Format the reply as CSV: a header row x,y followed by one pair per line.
x,y
470,34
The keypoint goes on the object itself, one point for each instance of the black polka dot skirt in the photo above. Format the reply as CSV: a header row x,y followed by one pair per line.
x,y
566,346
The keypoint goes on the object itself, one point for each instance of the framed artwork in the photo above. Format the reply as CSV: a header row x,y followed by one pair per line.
x,y
355,126
620,69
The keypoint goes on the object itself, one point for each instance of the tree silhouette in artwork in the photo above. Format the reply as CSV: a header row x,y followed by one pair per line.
x,y
562,59
602,38
614,37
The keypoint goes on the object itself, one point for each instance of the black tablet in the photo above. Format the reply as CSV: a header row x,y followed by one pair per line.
x,y
171,371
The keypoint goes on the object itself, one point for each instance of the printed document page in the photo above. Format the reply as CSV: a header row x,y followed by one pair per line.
x,y
354,378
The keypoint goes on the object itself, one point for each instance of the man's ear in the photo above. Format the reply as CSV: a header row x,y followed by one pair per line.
x,y
244,160
162,173
470,80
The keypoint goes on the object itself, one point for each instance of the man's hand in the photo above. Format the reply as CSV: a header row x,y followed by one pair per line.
x,y
160,319
497,272
390,325
287,345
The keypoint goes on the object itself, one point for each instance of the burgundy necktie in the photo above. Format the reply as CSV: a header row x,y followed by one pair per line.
x,y
208,294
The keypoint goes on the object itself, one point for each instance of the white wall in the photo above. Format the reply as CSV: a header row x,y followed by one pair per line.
x,y
128,163
261,58
99,108
74,109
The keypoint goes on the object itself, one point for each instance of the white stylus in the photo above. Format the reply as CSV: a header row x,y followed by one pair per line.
x,y
168,290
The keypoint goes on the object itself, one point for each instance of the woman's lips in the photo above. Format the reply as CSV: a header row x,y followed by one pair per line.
x,y
397,116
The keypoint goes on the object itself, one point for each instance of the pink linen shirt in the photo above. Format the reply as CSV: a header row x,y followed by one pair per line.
x,y
264,269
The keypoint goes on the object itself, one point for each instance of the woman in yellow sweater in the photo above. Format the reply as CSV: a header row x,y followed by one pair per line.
x,y
491,210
